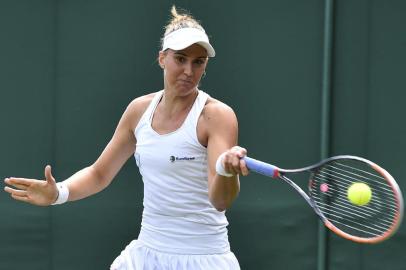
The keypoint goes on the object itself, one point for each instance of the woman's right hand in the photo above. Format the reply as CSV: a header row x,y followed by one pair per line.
x,y
33,191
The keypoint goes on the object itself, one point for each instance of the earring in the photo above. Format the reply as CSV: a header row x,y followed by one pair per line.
x,y
204,74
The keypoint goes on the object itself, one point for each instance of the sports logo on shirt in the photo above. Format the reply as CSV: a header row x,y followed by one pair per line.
x,y
173,158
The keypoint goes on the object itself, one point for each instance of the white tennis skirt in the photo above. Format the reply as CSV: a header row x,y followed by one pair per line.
x,y
136,256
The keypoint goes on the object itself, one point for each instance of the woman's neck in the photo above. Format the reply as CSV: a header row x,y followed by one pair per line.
x,y
173,104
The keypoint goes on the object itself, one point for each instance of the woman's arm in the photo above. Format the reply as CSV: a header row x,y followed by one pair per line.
x,y
222,133
89,180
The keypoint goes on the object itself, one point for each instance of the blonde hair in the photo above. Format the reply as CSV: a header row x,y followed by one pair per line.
x,y
179,21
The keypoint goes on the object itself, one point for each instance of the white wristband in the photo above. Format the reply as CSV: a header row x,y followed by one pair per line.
x,y
63,193
220,168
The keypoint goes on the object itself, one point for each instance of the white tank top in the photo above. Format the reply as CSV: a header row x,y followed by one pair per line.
x,y
178,216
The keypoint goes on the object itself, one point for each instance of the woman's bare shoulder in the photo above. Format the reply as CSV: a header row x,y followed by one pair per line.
x,y
218,115
137,107
217,108
141,103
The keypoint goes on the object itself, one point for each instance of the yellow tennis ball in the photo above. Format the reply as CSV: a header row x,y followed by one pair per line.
x,y
359,194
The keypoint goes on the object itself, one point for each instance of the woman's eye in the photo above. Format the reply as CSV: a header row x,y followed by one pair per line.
x,y
199,62
180,59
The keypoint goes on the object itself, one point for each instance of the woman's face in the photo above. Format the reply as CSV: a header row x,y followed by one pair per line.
x,y
183,69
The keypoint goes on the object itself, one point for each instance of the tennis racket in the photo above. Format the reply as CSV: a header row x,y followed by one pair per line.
x,y
327,194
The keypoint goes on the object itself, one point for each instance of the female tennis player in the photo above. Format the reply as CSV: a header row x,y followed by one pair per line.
x,y
184,143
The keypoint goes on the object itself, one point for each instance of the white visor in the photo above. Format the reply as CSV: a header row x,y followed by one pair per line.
x,y
184,37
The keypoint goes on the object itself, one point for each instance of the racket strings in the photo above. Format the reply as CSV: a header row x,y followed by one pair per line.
x,y
361,175
344,182
348,209
336,214
371,220
340,195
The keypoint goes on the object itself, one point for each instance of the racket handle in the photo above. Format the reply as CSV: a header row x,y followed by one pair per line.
x,y
261,167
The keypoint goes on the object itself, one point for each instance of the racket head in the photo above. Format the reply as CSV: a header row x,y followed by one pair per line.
x,y
371,223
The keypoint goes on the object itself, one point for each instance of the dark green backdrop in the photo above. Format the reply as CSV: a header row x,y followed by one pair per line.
x,y
68,69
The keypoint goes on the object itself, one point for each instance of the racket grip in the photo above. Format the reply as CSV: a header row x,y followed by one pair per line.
x,y
261,167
